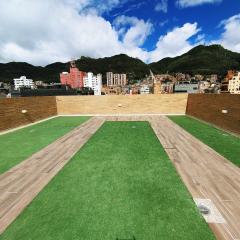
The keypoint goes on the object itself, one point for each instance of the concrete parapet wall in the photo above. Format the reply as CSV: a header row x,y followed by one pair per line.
x,y
122,104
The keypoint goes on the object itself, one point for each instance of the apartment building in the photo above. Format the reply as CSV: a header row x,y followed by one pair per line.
x,y
23,82
203,86
116,79
74,78
213,78
145,89
234,84
186,87
199,77
94,82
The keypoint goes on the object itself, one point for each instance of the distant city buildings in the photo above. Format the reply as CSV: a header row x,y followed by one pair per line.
x,y
163,83
74,78
180,76
186,87
213,78
77,82
234,84
23,82
199,77
204,86
93,82
116,84
114,90
145,89
116,79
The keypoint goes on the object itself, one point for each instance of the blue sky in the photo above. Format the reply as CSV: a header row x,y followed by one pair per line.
x,y
58,30
207,15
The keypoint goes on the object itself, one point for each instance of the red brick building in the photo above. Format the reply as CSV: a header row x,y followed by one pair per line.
x,y
74,78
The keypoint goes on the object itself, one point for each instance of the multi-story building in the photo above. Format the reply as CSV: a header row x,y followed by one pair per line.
x,y
225,82
167,87
234,84
109,78
199,77
23,82
163,83
164,77
180,76
116,79
74,78
213,78
203,86
186,87
94,82
145,89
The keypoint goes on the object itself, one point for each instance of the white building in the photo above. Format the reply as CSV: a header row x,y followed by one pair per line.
x,y
94,82
234,84
204,85
116,79
144,89
23,82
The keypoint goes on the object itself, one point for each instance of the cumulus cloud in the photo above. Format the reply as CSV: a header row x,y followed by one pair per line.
x,y
47,31
138,32
230,38
192,3
162,6
56,30
175,42
42,32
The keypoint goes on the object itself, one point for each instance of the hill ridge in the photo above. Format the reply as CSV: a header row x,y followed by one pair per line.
x,y
212,59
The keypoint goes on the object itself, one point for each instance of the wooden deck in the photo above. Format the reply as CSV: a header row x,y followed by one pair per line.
x,y
206,174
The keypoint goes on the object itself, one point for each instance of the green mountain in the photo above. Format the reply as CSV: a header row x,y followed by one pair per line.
x,y
135,68
212,59
202,59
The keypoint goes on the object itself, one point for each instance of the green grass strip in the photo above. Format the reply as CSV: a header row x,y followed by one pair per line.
x,y
18,145
222,142
119,185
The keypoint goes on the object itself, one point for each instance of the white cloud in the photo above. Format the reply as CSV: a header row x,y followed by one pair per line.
x,y
175,42
230,38
42,32
138,32
162,6
192,3
201,38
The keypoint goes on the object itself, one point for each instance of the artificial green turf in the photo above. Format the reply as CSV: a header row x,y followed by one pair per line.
x,y
222,142
18,145
119,185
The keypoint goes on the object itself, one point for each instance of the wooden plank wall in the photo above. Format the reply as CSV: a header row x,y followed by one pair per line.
x,y
122,104
208,107
38,108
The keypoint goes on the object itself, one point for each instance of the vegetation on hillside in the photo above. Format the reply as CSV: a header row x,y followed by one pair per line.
x,y
212,59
